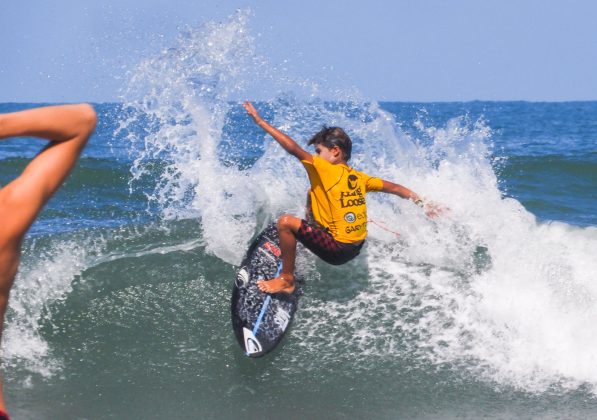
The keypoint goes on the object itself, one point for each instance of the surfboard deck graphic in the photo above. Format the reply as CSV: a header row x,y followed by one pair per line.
x,y
260,320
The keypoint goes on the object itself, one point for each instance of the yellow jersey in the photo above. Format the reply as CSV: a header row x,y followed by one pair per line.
x,y
337,198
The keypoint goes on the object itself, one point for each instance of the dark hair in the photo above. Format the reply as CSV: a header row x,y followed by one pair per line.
x,y
333,136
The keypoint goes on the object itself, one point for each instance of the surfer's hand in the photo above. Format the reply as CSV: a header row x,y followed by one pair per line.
x,y
433,210
248,106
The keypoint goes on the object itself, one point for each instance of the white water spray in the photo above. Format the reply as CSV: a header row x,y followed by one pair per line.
x,y
485,287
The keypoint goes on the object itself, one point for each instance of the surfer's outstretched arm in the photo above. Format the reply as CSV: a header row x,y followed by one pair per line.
x,y
401,191
283,139
67,127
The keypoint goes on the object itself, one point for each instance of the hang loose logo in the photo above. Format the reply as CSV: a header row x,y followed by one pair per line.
x,y
352,181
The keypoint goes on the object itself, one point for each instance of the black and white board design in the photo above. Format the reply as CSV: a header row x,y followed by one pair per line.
x,y
259,319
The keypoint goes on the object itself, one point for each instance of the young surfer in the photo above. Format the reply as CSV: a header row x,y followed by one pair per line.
x,y
67,127
336,226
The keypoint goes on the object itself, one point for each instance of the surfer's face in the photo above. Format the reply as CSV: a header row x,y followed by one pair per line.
x,y
332,155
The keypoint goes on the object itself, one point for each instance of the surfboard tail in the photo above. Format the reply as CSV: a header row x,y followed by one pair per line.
x,y
252,345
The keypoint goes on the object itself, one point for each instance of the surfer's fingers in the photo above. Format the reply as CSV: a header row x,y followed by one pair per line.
x,y
248,106
434,210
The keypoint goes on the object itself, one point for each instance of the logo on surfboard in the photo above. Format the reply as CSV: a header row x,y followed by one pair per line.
x,y
282,318
252,345
242,278
272,248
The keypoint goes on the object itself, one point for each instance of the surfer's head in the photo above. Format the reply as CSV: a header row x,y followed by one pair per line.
x,y
332,138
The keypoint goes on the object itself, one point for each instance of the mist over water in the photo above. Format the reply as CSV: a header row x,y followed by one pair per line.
x,y
487,295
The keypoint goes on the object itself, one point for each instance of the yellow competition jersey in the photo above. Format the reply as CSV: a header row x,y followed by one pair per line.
x,y
337,198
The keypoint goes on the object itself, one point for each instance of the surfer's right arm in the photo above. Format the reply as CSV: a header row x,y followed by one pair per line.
x,y
284,140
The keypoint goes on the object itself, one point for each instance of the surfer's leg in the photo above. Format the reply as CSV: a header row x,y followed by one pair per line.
x,y
9,262
288,226
67,128
320,241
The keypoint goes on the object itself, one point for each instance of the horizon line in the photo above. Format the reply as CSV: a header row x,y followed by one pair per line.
x,y
331,100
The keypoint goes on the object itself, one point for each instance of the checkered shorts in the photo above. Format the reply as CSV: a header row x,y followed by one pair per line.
x,y
321,242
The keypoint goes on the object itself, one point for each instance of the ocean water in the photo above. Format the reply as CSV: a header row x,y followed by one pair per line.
x,y
121,305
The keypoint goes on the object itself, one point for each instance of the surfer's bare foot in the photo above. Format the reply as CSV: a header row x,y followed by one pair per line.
x,y
284,284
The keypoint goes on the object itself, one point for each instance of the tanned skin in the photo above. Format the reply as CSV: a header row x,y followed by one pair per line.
x,y
288,225
67,128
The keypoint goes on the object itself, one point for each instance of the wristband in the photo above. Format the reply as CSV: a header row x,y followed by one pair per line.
x,y
419,202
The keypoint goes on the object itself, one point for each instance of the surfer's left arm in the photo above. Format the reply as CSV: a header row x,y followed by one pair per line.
x,y
431,210
283,139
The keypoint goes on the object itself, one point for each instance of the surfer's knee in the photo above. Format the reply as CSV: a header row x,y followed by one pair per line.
x,y
88,118
288,222
283,220
86,122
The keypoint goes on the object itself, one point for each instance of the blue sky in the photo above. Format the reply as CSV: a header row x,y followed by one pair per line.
x,y
403,50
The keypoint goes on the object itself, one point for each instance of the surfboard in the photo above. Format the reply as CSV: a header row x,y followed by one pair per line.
x,y
260,320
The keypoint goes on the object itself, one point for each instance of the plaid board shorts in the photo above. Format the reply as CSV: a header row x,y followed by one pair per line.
x,y
320,241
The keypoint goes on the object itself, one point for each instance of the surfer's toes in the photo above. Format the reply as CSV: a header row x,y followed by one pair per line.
x,y
277,285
